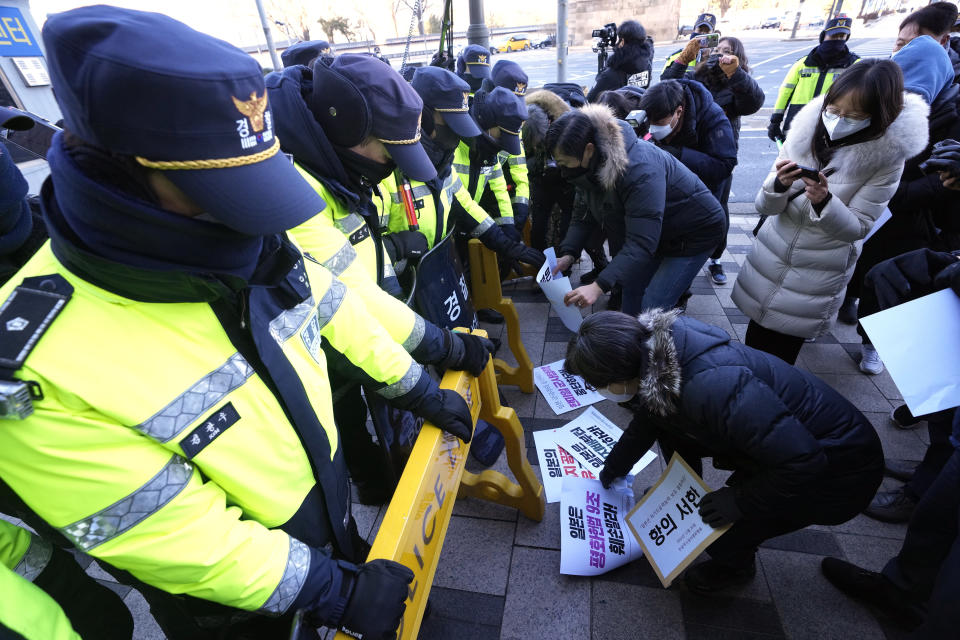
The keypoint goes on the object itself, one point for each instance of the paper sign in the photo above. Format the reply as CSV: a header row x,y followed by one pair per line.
x,y
555,288
551,255
918,342
590,437
666,524
882,220
556,464
593,535
563,391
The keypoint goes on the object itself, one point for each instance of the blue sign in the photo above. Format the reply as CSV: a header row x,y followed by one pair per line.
x,y
15,36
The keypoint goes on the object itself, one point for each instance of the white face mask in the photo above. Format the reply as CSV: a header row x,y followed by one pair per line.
x,y
620,391
838,127
661,131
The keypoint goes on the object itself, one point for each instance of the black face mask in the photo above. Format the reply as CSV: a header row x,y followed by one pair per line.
x,y
487,147
832,49
363,169
474,82
572,173
445,138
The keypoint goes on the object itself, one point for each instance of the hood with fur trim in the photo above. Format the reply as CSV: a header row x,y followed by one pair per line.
x,y
905,137
611,142
543,107
660,383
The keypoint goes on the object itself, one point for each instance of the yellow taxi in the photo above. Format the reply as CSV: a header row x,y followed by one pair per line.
x,y
517,42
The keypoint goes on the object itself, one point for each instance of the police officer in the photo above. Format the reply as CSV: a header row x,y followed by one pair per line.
x,y
305,53
92,609
812,75
447,121
510,76
348,123
691,54
473,66
185,431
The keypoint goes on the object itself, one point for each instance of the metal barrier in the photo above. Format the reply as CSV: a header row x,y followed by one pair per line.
x,y
486,293
415,525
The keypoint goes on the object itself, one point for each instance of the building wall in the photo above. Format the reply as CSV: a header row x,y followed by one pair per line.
x,y
659,17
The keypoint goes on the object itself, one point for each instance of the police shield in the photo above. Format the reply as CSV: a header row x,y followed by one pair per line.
x,y
441,294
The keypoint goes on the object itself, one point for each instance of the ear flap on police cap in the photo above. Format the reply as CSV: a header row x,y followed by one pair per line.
x,y
338,106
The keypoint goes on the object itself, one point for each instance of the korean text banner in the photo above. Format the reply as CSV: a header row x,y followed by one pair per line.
x,y
667,524
15,36
556,464
563,390
593,534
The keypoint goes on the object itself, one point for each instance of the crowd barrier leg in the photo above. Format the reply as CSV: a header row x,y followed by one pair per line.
x,y
416,521
487,294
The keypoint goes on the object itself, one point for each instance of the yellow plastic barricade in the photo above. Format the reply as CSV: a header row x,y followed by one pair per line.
x,y
416,521
485,293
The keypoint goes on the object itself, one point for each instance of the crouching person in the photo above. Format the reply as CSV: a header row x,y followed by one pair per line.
x,y
800,452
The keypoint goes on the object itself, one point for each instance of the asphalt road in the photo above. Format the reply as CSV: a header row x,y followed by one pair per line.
x,y
770,55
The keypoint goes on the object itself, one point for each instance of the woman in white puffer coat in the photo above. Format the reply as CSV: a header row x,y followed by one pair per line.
x,y
857,137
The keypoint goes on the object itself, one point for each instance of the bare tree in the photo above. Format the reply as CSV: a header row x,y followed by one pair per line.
x,y
337,24
419,9
291,16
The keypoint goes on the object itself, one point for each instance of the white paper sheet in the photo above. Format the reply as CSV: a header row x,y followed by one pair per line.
x,y
590,437
919,343
555,287
666,523
594,537
562,390
882,220
556,464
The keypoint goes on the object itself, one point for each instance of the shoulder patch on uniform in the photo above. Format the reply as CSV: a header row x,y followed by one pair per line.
x,y
26,315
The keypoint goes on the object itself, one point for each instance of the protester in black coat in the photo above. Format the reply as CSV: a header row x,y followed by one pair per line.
x,y
801,453
630,63
661,220
726,75
685,120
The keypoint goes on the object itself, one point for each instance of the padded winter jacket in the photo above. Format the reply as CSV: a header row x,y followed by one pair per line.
x,y
644,198
794,277
783,428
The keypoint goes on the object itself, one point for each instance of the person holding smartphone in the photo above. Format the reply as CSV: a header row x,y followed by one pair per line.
x,y
838,168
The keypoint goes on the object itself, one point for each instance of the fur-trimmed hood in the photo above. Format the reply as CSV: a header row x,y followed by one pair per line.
x,y
660,383
543,107
551,104
613,137
905,137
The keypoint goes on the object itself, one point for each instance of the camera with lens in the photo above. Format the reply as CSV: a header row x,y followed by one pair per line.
x,y
607,35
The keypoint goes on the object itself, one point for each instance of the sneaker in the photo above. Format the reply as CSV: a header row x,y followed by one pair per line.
x,y
590,276
713,576
902,470
870,360
902,418
873,589
716,273
892,506
848,311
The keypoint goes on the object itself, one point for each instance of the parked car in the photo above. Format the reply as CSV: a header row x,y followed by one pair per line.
x,y
549,41
513,43
684,31
815,24
771,23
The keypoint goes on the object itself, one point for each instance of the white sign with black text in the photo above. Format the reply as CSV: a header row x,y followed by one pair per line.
x,y
593,534
590,437
563,390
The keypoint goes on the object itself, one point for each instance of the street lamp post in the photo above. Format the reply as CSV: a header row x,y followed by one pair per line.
x,y
266,32
477,31
562,40
796,22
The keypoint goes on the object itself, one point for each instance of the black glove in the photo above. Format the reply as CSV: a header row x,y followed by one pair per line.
x,y
908,276
719,507
447,410
378,601
520,213
511,232
606,478
405,244
466,352
945,156
527,255
774,132
949,277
